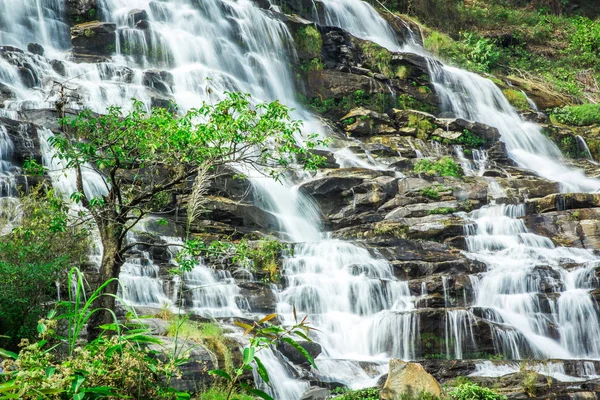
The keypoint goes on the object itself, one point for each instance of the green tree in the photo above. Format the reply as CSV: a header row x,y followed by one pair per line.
x,y
145,158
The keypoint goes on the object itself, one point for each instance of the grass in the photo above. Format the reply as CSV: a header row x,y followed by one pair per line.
x,y
583,115
208,334
215,393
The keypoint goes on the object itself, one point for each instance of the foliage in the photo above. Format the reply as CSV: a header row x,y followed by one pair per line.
x,y
309,40
584,45
210,334
144,158
422,125
433,192
215,393
471,391
472,51
445,166
116,366
516,98
32,258
361,394
442,211
264,335
582,115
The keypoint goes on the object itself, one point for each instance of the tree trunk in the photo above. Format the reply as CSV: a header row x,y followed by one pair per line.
x,y
112,261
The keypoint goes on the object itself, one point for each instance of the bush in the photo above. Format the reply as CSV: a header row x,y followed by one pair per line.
x,y
585,114
471,391
221,394
32,258
361,394
445,166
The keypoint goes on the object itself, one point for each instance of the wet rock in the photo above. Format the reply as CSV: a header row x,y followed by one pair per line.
x,y
161,81
136,16
6,93
94,38
194,371
363,122
408,379
79,11
58,66
314,349
316,393
259,298
35,48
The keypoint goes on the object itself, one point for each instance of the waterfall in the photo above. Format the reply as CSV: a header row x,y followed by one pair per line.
x,y
196,51
525,322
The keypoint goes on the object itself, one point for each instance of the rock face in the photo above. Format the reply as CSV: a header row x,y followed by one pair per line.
x,y
94,38
79,11
408,379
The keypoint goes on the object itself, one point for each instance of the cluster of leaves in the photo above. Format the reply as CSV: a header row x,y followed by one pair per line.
x,y
361,394
442,211
261,256
58,366
445,166
472,51
309,40
263,335
32,258
433,192
422,125
582,115
467,390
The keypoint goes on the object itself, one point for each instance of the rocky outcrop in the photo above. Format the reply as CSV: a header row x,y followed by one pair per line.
x,y
408,380
79,11
94,39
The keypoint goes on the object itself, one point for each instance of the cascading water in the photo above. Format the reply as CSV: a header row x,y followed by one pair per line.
x,y
526,322
363,313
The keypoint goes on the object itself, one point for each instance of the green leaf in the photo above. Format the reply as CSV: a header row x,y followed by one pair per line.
x,y
301,349
262,371
77,381
8,354
248,355
256,392
221,373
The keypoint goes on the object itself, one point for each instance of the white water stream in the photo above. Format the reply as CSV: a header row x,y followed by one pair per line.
x,y
363,313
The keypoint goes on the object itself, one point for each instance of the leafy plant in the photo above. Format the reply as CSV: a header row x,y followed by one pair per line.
x,y
582,115
471,391
309,40
263,335
32,258
361,394
445,166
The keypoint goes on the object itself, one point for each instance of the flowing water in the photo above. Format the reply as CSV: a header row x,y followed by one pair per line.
x,y
522,267
363,313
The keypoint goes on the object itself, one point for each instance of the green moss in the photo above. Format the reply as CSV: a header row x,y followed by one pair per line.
x,y
377,58
309,40
516,98
442,211
445,166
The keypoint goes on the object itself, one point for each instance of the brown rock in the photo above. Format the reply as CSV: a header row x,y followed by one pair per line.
x,y
409,379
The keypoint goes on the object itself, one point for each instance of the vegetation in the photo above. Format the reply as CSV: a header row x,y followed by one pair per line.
x,y
362,394
145,158
445,166
467,390
585,114
309,40
434,192
516,98
33,258
442,211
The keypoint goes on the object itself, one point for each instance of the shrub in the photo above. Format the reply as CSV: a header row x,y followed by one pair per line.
x,y
361,394
445,166
221,394
32,258
585,114
471,391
